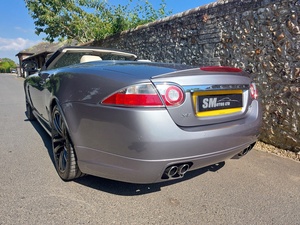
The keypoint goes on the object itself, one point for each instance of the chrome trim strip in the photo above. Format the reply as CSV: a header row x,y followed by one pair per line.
x,y
215,87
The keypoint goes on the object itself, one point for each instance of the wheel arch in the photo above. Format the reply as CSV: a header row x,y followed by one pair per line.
x,y
71,169
55,102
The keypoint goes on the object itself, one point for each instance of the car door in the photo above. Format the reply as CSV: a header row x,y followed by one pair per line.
x,y
39,93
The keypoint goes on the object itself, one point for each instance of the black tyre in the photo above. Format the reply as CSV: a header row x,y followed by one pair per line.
x,y
63,149
29,113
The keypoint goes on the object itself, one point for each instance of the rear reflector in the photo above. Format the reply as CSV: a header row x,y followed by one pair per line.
x,y
220,69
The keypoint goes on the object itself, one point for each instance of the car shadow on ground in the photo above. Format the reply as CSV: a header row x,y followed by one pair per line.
x,y
118,187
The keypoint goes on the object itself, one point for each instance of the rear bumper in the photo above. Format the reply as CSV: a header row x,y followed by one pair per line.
x,y
120,168
138,145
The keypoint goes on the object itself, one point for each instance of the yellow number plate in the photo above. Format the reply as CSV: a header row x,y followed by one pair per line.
x,y
215,103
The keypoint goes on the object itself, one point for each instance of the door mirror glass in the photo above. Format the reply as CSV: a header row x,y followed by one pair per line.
x,y
29,66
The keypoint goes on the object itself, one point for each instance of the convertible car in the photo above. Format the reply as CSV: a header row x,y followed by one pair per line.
x,y
114,116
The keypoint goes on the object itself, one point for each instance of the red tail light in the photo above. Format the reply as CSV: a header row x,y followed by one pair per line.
x,y
171,94
220,69
253,91
136,95
145,95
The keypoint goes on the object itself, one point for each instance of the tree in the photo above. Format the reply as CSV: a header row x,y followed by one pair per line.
x,y
85,20
6,65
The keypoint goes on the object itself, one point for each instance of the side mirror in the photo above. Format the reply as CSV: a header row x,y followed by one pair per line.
x,y
30,66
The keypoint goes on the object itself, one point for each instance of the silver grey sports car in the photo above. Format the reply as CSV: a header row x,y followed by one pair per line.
x,y
114,116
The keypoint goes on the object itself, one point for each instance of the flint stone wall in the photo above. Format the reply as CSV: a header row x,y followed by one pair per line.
x,y
261,36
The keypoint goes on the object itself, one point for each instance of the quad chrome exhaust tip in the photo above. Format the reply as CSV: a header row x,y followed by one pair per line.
x,y
171,171
244,152
182,169
176,171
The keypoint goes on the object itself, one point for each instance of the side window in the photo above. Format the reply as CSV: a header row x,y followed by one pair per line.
x,y
68,59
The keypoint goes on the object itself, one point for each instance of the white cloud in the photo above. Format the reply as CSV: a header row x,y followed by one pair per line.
x,y
9,47
17,44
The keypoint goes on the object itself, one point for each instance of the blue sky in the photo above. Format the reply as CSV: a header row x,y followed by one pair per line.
x,y
17,30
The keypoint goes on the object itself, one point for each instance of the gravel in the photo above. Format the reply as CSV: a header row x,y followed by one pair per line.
x,y
277,151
